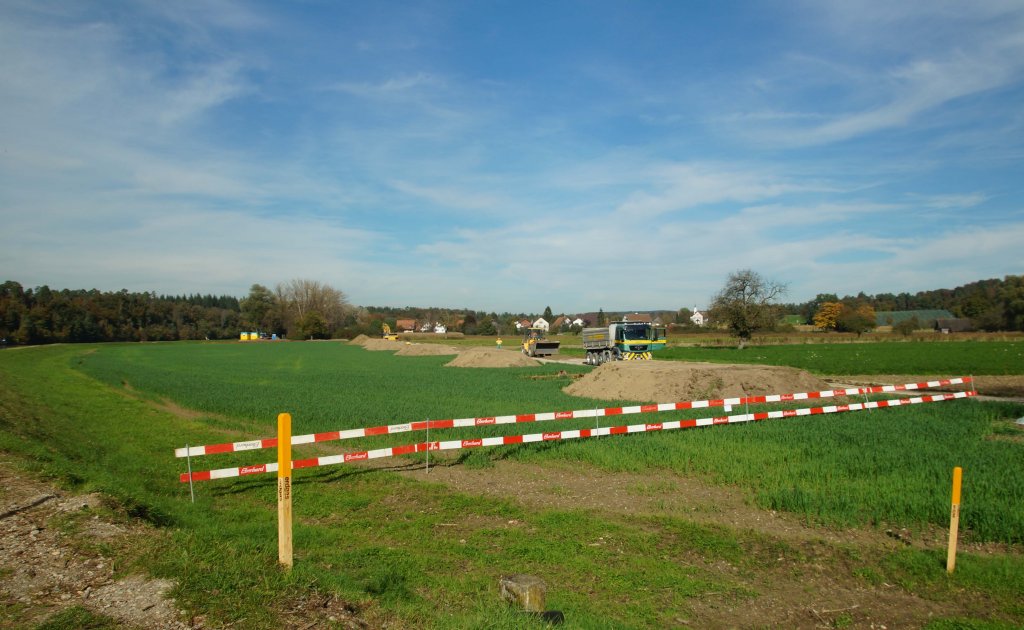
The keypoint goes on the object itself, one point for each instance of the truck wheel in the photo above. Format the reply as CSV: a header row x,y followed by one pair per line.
x,y
616,354
606,356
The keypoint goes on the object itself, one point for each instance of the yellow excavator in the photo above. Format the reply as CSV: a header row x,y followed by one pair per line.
x,y
390,336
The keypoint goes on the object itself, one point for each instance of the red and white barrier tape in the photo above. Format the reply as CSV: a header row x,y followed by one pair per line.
x,y
251,445
394,451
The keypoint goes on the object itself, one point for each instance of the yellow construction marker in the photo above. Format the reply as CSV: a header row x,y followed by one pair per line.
x,y
284,490
954,520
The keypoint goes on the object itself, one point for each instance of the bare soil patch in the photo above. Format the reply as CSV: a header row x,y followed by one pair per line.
x,y
425,350
480,357
666,381
377,345
59,551
47,570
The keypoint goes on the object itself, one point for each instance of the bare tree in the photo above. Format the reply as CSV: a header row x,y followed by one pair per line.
x,y
746,303
305,301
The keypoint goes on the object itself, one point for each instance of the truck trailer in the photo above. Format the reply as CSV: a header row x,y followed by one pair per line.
x,y
621,341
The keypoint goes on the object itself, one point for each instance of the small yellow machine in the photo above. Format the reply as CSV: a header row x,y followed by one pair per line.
x,y
390,336
535,343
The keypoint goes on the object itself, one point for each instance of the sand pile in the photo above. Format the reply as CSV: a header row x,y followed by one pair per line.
x,y
672,381
425,349
481,357
359,340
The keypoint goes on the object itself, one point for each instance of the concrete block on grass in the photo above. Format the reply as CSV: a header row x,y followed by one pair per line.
x,y
527,591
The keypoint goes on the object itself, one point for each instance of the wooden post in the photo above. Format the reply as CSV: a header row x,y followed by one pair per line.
x,y
284,490
954,520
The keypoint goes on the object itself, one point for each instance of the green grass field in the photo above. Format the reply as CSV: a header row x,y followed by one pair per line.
x,y
949,358
885,466
85,415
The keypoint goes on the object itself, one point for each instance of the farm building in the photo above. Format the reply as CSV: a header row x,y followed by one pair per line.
x,y
925,318
953,325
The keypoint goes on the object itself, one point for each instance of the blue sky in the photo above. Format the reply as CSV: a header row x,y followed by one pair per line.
x,y
511,155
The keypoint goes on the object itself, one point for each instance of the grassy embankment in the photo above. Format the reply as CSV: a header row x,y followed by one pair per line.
x,y
396,547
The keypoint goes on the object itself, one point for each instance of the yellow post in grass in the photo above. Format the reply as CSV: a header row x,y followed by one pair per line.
x,y
954,520
284,490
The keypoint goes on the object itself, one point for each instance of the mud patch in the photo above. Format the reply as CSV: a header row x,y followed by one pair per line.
x,y
667,381
491,358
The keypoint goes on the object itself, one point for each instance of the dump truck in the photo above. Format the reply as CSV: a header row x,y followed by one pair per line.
x,y
621,341
536,343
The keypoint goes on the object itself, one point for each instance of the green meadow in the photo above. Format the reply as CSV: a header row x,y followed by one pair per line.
x,y
954,358
107,418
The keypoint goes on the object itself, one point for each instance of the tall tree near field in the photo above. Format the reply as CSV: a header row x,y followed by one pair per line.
x,y
747,303
856,319
548,315
257,308
300,297
827,317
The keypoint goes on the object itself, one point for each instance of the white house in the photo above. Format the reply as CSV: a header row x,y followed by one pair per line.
x,y
542,324
440,329
697,318
578,322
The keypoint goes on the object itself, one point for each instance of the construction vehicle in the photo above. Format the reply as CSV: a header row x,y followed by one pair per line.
x,y
621,341
659,338
536,343
387,334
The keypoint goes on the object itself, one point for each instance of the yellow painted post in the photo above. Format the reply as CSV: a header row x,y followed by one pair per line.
x,y
954,520
284,490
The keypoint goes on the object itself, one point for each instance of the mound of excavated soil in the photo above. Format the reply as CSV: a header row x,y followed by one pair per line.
x,y
360,340
672,381
381,344
425,350
491,358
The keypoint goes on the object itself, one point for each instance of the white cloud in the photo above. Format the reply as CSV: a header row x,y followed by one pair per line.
x,y
445,198
396,87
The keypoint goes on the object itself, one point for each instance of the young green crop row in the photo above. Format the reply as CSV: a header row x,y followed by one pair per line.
x,y
883,466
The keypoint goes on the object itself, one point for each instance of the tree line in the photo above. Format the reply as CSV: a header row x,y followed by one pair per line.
x,y
303,309
990,305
